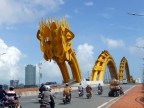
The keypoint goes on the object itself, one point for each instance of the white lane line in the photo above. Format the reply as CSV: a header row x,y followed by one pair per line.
x,y
102,105
129,89
34,99
114,98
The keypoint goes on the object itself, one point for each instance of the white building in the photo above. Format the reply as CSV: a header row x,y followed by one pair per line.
x,y
30,75
138,80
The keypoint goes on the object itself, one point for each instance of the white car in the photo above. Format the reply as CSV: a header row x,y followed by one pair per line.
x,y
125,81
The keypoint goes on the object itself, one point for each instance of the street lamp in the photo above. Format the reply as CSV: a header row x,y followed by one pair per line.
x,y
136,14
40,74
39,65
139,46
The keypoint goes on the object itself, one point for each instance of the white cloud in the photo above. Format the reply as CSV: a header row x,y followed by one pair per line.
x,y
89,3
85,56
20,11
105,15
110,8
138,48
76,11
9,63
111,43
68,16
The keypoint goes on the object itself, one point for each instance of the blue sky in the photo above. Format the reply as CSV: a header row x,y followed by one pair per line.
x,y
97,24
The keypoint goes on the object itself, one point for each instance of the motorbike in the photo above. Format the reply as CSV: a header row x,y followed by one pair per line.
x,y
88,95
1,103
100,91
114,93
44,104
66,99
121,91
41,97
10,104
81,93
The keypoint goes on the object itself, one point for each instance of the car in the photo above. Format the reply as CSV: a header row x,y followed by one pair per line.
x,y
125,81
52,84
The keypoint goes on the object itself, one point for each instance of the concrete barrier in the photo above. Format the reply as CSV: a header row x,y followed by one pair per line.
x,y
35,91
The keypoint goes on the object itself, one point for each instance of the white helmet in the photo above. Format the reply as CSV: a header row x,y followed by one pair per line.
x,y
47,87
66,84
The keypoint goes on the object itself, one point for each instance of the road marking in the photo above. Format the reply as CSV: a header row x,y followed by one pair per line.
x,y
34,99
114,98
102,105
129,89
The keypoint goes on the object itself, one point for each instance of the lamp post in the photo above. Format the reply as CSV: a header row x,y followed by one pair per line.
x,y
40,74
39,65
136,14
139,14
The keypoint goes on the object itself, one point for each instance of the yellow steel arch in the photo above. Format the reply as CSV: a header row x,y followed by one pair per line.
x,y
56,43
124,67
104,59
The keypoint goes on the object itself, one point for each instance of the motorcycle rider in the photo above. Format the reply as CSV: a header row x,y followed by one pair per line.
x,y
67,91
89,89
11,96
48,96
81,88
100,88
2,93
42,88
121,90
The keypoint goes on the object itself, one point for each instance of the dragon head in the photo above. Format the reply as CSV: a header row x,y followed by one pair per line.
x,y
55,39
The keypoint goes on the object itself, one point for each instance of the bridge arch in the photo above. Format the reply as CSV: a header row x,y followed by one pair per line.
x,y
104,60
124,67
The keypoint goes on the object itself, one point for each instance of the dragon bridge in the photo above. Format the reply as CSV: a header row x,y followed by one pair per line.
x,y
124,70
56,43
98,71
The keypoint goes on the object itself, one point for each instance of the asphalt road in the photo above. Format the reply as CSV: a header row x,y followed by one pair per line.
x,y
97,101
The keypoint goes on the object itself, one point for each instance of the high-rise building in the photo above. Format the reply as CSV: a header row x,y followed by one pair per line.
x,y
138,80
14,83
30,75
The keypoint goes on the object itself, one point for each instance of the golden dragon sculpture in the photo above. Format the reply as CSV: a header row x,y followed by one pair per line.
x,y
56,43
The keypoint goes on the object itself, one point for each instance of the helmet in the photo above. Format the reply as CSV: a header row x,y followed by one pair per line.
x,y
67,84
1,86
42,84
47,87
11,88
